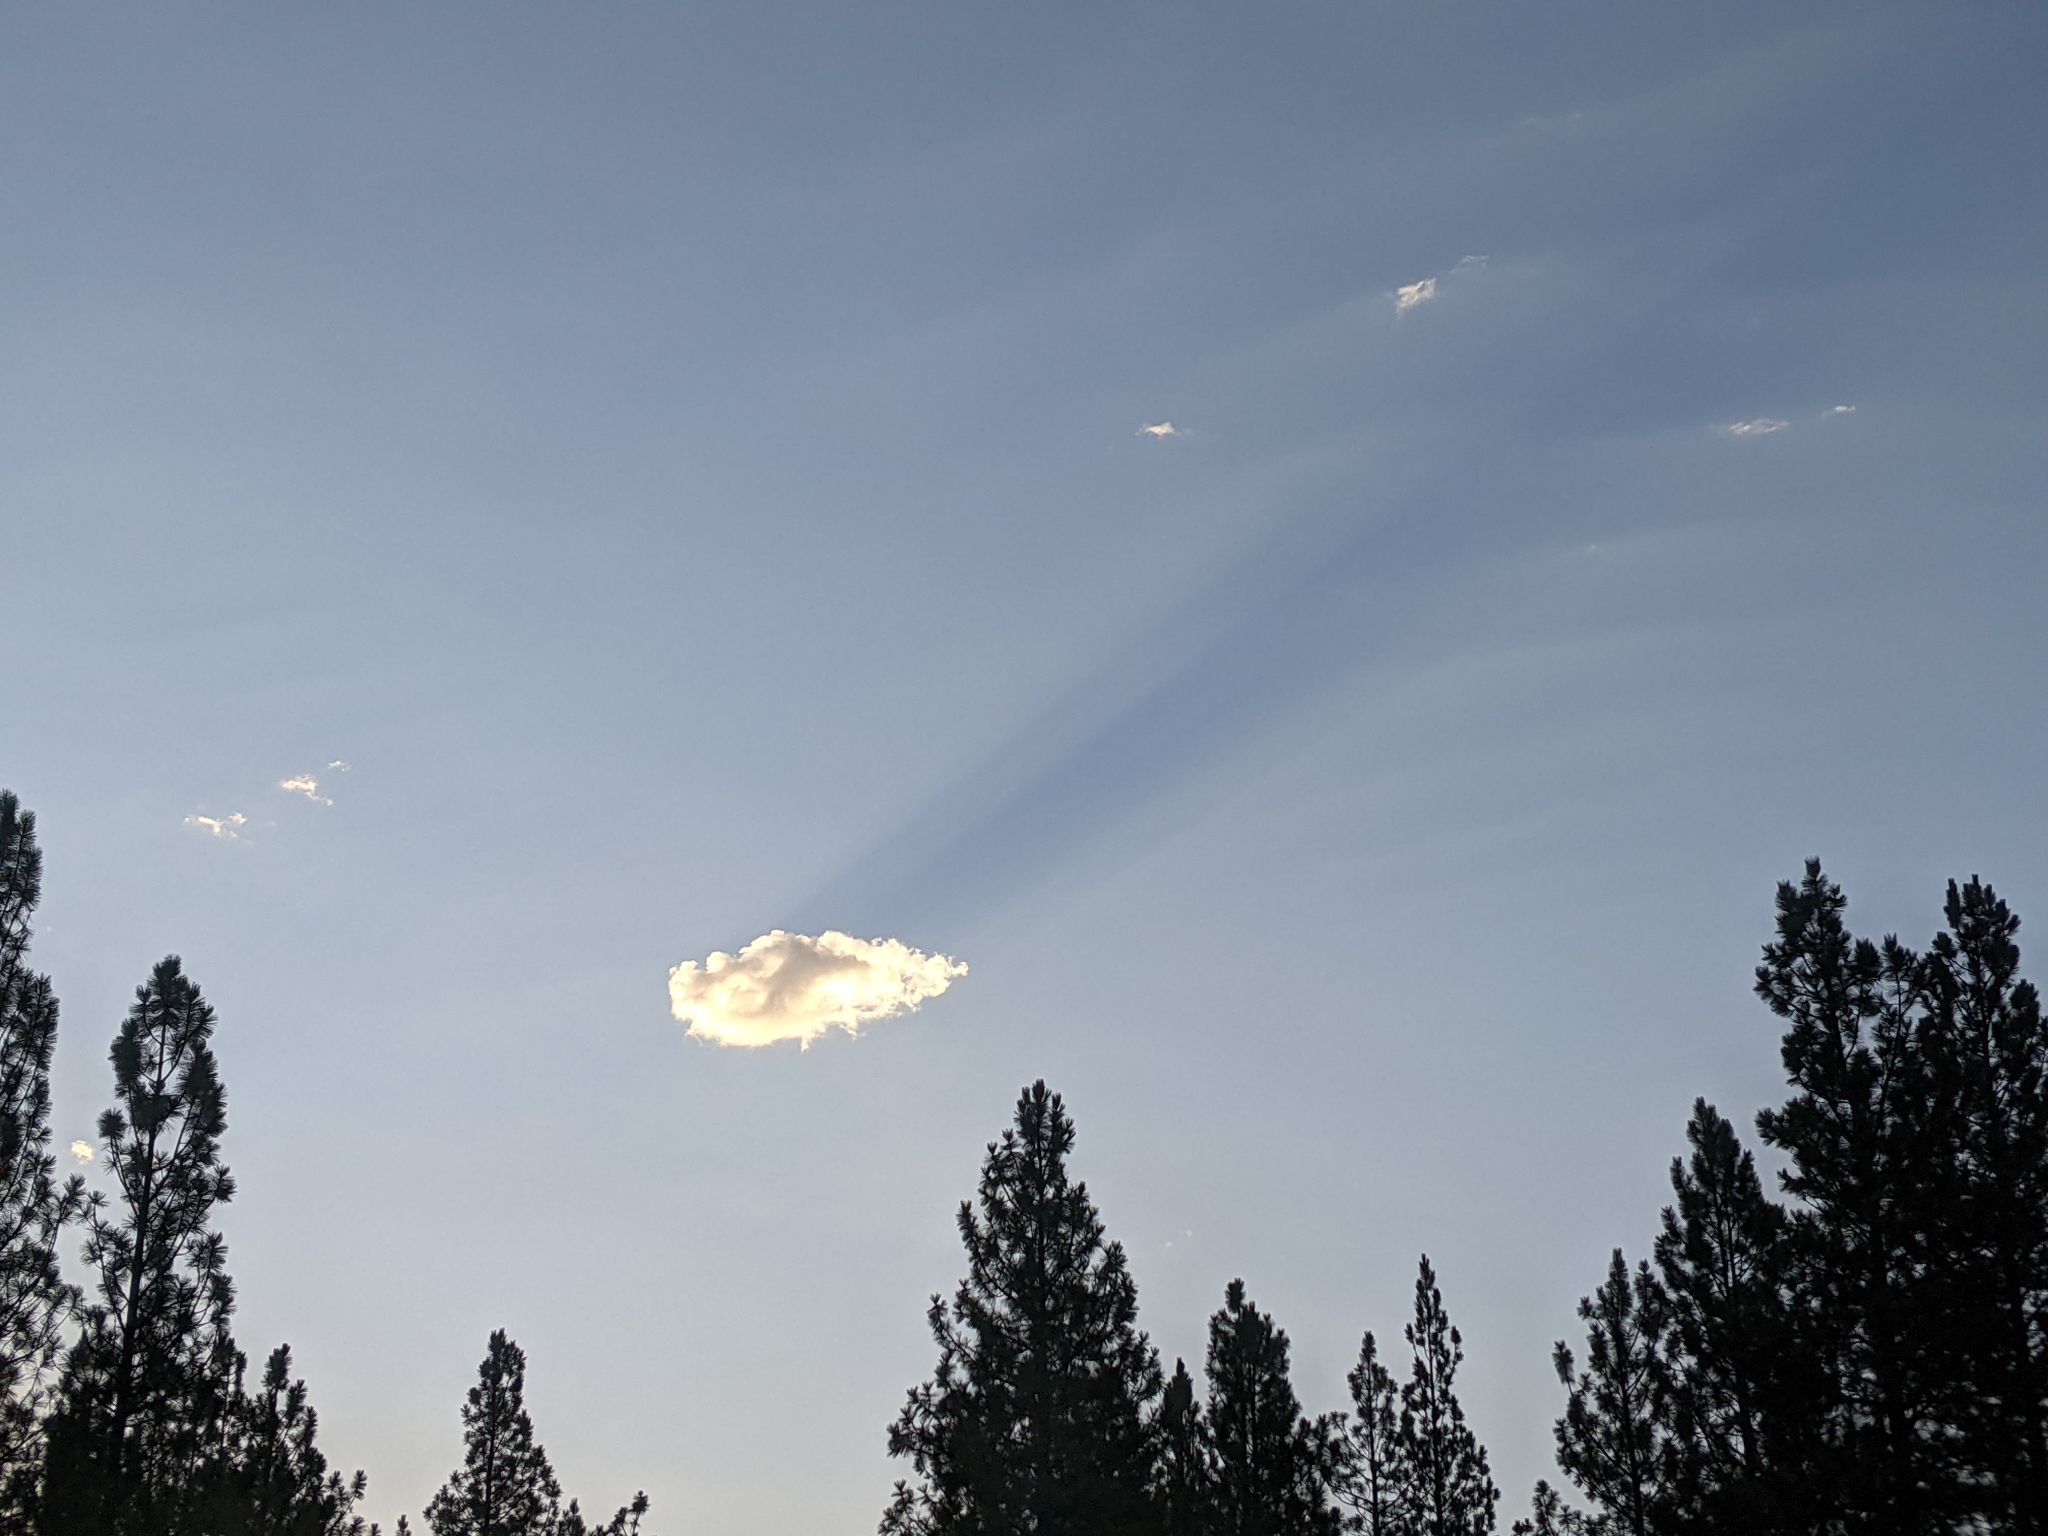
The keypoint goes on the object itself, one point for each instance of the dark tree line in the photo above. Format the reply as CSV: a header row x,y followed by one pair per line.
x,y
1866,1352
1869,1354
1049,1412
1862,1350
126,1408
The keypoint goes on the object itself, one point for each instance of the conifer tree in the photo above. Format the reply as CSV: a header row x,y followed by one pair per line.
x,y
1869,1241
1453,1491
1615,1439
1375,1483
1037,1420
1740,1380
136,1444
1270,1474
1186,1481
1992,1051
505,1486
276,1481
34,1205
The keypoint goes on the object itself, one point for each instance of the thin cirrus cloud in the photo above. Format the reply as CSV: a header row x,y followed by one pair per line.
x,y
791,986
226,829
1757,426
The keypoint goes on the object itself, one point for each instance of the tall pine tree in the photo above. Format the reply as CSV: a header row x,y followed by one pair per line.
x,y
1270,1462
137,1443
1186,1479
1874,1275
1453,1490
1741,1379
1991,1048
505,1485
35,1206
1615,1439
1038,1419
1375,1482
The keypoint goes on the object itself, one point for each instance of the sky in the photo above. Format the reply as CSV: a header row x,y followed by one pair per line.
x,y
1299,571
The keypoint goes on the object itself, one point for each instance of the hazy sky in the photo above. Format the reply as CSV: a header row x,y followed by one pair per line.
x,y
691,464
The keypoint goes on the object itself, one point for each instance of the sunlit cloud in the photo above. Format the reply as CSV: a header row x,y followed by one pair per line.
x,y
1160,429
1839,410
82,1153
308,785
1761,426
1414,295
227,828
790,986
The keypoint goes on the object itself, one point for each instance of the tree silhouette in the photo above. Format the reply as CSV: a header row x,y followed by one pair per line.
x,y
505,1486
1270,1462
1375,1481
1038,1416
1453,1491
1186,1480
1861,1132
1991,1050
148,1386
275,1481
1743,1384
34,1205
1615,1439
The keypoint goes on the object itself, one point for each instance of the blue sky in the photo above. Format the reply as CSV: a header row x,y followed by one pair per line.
x,y
687,461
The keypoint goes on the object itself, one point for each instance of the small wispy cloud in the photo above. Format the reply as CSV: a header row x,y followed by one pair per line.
x,y
1838,410
791,986
1160,429
1426,290
308,785
1414,295
1760,426
227,828
304,784
82,1153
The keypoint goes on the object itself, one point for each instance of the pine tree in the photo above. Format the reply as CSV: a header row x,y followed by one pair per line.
x,y
1454,1494
1374,1483
275,1481
505,1486
1186,1481
147,1388
1740,1379
1992,1050
1270,1475
1037,1421
1863,1132
34,1206
1615,1439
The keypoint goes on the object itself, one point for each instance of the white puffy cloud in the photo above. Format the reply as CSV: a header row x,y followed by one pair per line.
x,y
1412,295
1160,429
227,828
82,1153
1761,426
790,986
1839,410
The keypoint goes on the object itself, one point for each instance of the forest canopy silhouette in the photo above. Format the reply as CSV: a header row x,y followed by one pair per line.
x,y
1863,1348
